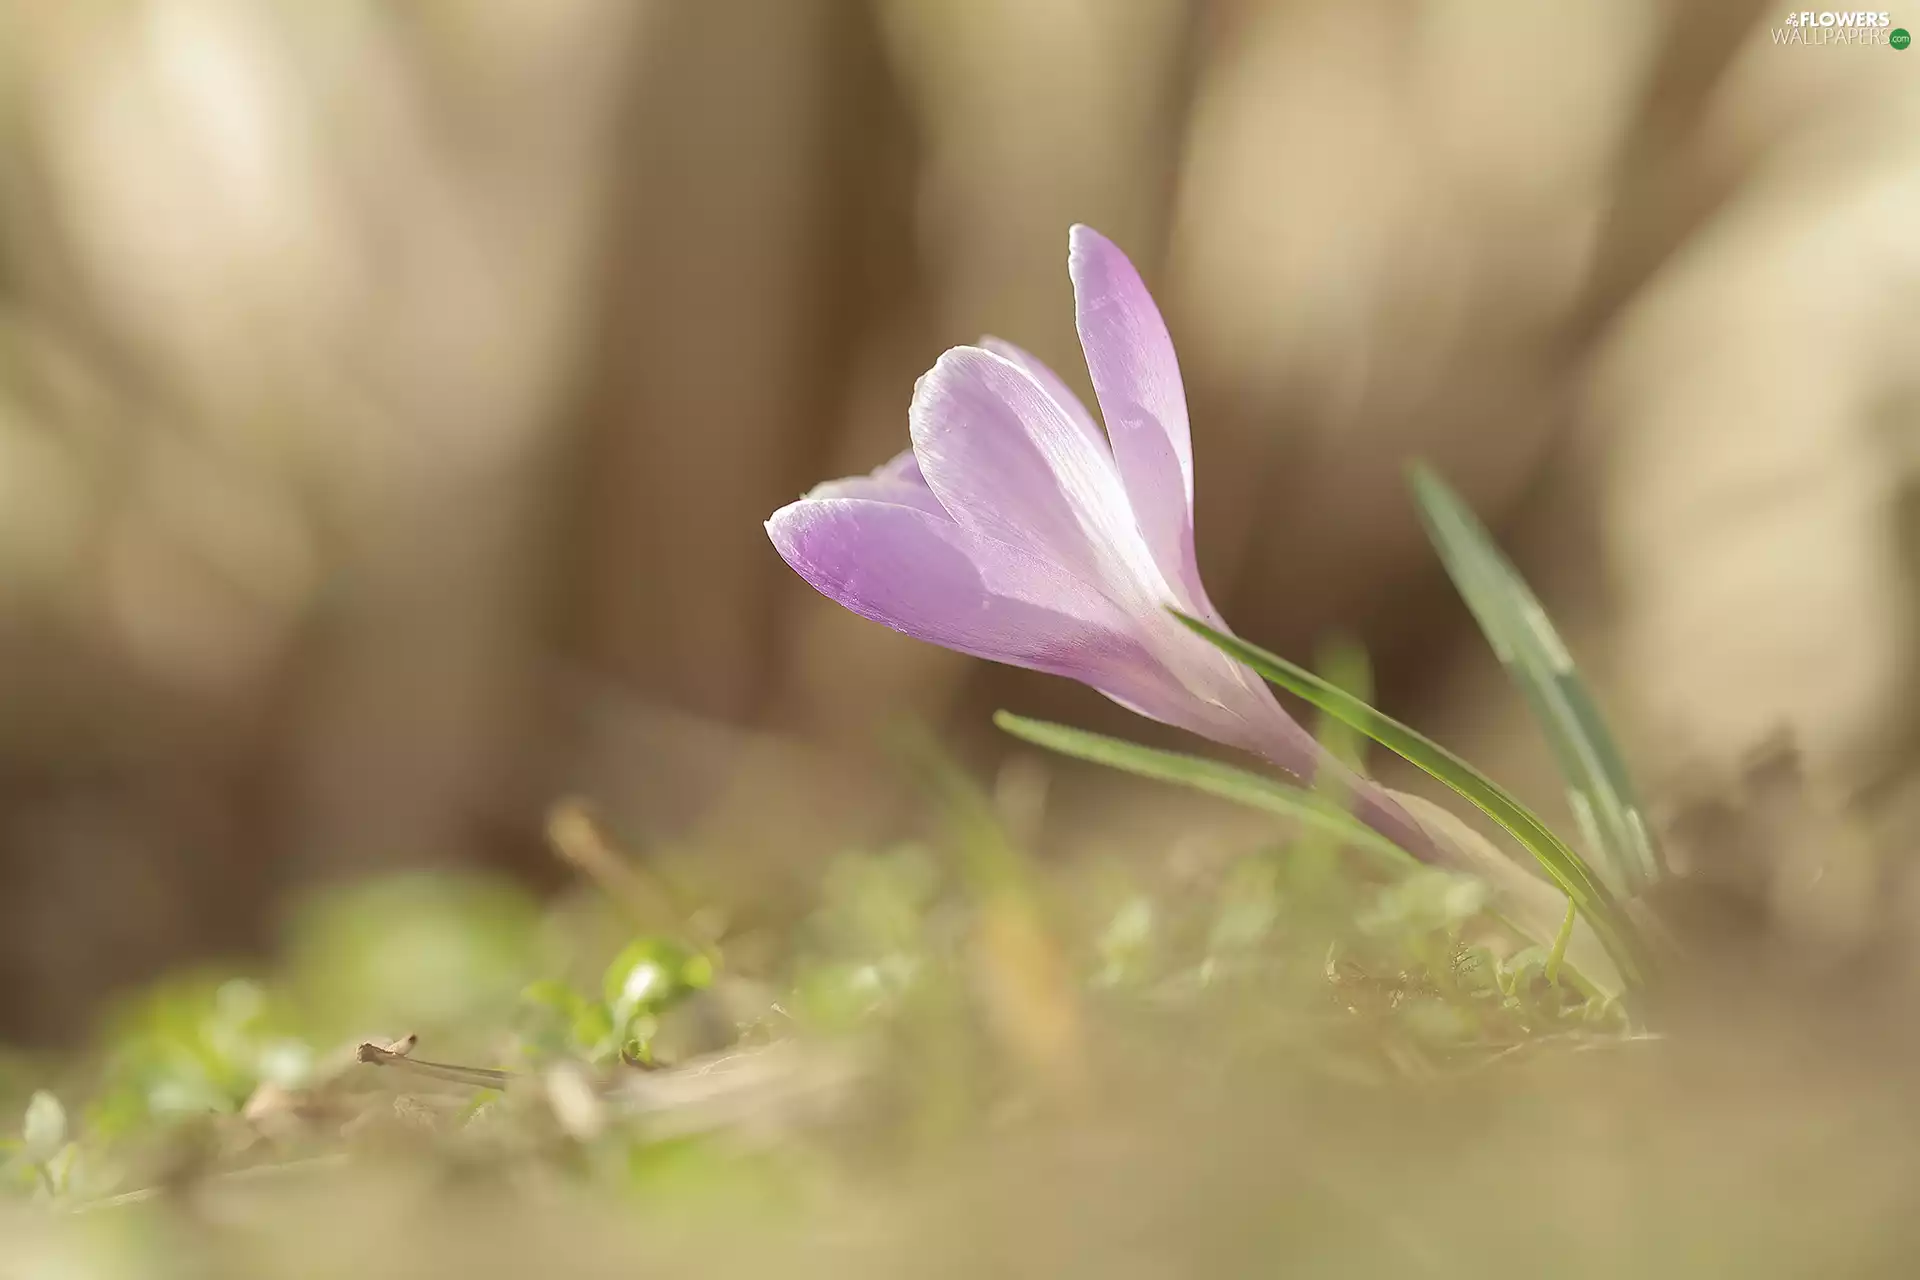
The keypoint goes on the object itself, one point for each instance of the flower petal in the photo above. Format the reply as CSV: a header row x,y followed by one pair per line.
x,y
896,481
1223,700
1011,467
916,572
1244,726
902,466
1228,702
922,574
927,577
1136,376
1054,386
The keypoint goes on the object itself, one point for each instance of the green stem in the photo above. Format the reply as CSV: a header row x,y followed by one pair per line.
x,y
1560,940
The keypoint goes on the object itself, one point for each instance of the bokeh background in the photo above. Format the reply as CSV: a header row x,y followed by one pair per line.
x,y
391,396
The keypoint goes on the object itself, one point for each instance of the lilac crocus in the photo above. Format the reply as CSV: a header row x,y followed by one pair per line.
x,y
1016,529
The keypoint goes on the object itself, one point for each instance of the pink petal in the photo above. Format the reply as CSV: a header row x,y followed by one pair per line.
x,y
1053,385
1267,732
896,481
913,571
1137,379
1012,468
924,575
902,466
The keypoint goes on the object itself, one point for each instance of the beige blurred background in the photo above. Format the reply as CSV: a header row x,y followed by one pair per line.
x,y
391,396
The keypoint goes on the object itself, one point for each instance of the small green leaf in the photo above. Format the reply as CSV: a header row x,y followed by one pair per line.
x,y
641,976
1210,776
649,975
640,983
1567,868
1600,791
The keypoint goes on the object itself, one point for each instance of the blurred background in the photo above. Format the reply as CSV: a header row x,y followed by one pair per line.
x,y
391,396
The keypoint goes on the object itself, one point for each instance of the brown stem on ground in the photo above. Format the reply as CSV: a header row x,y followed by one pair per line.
x,y
398,1054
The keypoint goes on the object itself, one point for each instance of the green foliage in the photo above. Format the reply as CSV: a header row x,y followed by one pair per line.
x,y
195,1045
1567,868
648,977
557,1021
1310,809
1344,665
1600,790
900,955
1323,824
966,977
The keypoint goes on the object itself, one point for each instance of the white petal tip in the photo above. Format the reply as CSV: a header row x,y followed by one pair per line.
x,y
779,525
1083,239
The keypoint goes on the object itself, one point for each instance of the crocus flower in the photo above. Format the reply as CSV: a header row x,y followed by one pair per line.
x,y
1016,529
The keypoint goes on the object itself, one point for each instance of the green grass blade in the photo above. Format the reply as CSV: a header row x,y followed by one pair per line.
x,y
1312,811
1344,664
1564,866
1602,794
1316,853
1531,905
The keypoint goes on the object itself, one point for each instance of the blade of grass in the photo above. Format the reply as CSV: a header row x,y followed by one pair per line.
x,y
1343,663
1566,867
1315,854
1210,776
1600,790
1560,941
1528,903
